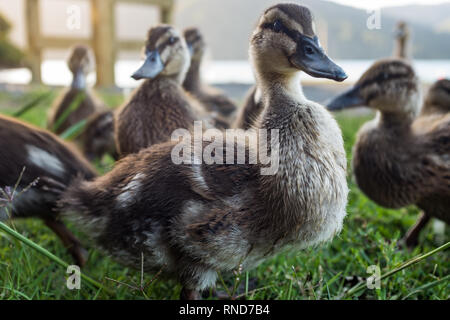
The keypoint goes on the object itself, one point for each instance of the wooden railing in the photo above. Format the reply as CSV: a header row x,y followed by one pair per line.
x,y
104,41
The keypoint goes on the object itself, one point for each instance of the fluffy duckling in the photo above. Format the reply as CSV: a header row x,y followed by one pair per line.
x,y
398,159
49,165
159,105
192,220
436,105
212,99
402,35
80,64
98,136
437,100
250,111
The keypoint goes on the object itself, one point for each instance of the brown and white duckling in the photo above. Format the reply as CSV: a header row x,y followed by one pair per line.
x,y
49,165
402,35
80,63
192,220
399,159
98,136
212,99
160,105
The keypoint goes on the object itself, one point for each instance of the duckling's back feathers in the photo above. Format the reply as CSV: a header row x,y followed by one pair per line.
x,y
156,109
48,164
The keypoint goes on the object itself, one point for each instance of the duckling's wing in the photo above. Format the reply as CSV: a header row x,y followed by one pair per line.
x,y
436,156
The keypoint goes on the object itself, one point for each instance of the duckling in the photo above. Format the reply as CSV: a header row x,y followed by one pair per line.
x,y
400,159
212,99
77,96
159,105
98,136
437,100
49,165
191,220
436,105
402,35
250,111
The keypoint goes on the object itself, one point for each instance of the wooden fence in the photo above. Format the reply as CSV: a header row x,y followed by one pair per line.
x,y
103,41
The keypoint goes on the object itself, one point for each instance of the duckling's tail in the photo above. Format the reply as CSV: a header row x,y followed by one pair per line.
x,y
80,204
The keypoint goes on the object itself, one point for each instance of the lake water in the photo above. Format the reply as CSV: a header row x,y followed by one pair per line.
x,y
55,72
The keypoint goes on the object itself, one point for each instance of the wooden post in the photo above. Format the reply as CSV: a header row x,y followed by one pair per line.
x,y
166,14
33,36
104,40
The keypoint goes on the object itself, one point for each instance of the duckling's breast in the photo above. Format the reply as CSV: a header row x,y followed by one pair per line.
x,y
310,185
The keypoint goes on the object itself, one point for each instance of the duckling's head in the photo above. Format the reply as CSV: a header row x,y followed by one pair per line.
x,y
402,31
166,53
80,63
195,42
285,42
389,86
438,97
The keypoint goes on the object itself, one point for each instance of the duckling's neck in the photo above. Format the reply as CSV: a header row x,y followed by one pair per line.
x,y
394,121
79,80
400,48
276,85
192,82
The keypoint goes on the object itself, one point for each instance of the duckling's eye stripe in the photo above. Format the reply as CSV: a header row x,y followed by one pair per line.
x,y
197,38
293,34
163,45
381,78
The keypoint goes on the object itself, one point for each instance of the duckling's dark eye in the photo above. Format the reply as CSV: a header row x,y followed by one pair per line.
x,y
172,40
309,50
277,26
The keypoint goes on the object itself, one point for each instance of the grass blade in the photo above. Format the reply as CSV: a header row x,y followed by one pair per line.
x,y
32,104
362,286
74,105
428,286
74,131
48,254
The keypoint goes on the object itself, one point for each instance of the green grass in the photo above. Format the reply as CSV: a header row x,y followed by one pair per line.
x,y
369,237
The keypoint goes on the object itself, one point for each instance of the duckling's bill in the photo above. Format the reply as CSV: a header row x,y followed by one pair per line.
x,y
348,99
311,58
152,66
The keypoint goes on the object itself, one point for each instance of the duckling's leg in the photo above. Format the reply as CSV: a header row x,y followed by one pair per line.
x,y
412,236
189,294
195,278
69,241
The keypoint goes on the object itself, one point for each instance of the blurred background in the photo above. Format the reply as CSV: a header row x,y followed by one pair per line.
x,y
37,34
35,39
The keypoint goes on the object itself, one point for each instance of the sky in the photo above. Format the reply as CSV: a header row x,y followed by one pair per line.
x,y
370,4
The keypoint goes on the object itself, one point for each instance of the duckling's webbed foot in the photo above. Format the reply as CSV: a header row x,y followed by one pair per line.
x,y
69,241
411,238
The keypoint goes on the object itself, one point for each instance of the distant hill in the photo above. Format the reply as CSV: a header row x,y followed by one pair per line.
x,y
227,26
436,17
